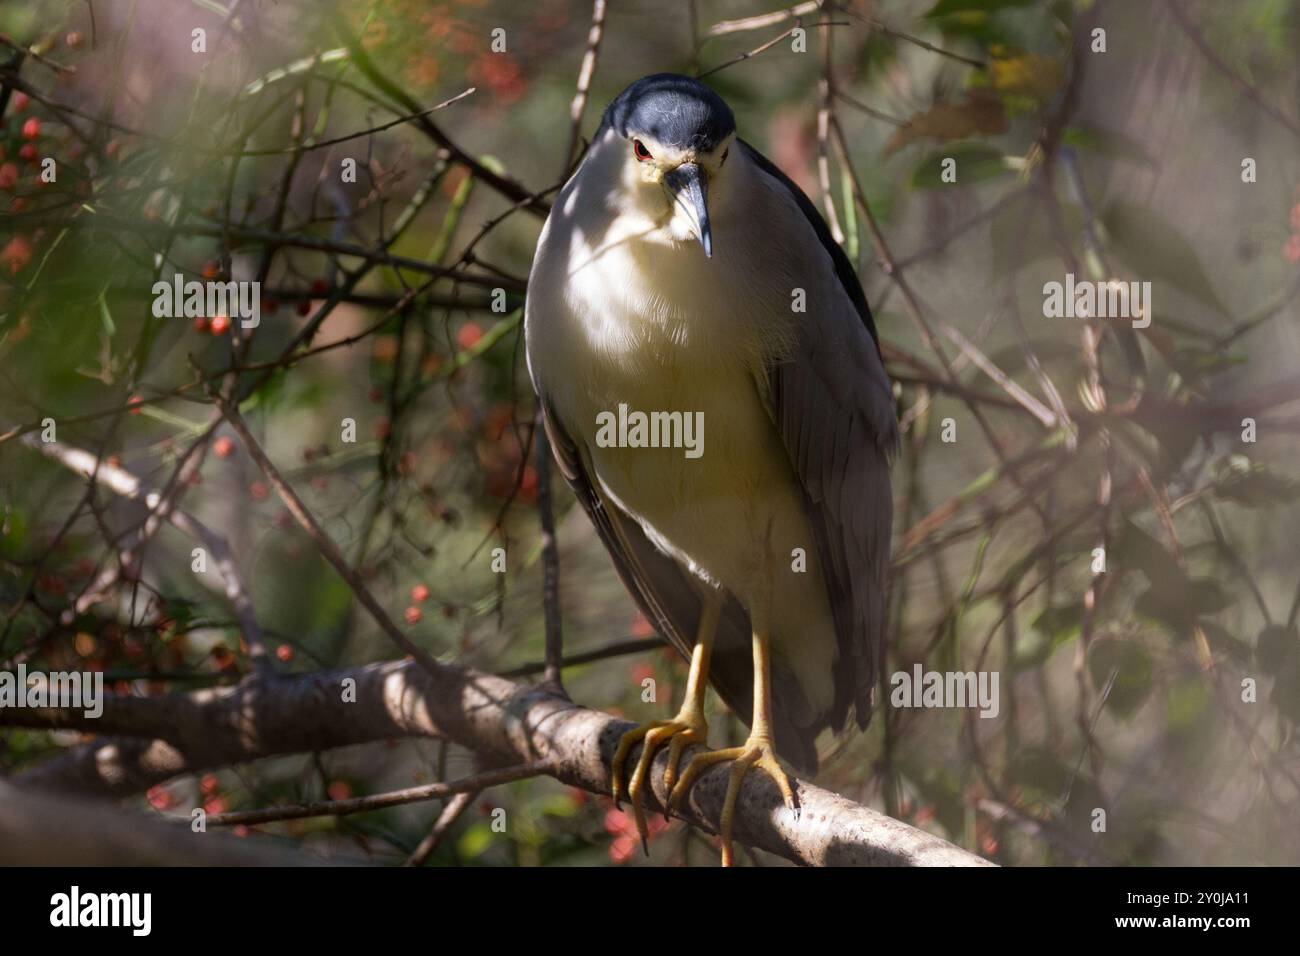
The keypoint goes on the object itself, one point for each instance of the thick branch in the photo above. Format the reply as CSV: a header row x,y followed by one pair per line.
x,y
40,829
191,732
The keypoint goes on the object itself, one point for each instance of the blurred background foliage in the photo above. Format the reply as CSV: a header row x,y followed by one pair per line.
x,y
1120,690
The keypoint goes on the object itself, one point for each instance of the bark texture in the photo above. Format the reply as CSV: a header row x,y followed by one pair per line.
x,y
149,740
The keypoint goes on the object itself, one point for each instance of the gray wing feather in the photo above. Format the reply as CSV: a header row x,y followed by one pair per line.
x,y
833,407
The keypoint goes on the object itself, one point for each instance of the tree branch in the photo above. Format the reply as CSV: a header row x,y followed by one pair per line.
x,y
191,732
40,829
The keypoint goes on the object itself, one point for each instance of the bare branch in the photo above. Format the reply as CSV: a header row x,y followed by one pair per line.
x,y
191,732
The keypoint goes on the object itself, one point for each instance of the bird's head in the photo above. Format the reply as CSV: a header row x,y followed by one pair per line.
x,y
668,138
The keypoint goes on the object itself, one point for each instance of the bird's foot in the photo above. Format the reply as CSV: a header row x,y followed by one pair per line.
x,y
684,729
757,752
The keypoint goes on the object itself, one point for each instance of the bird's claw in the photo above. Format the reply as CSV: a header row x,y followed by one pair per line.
x,y
681,731
757,752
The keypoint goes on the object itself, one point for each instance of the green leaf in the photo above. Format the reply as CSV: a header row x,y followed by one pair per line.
x,y
1154,249
1134,548
474,842
1276,647
1129,662
556,805
1107,143
1286,691
1178,610
106,317
1052,627
1208,596
974,164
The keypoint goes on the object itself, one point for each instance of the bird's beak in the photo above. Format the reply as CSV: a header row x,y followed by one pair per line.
x,y
688,186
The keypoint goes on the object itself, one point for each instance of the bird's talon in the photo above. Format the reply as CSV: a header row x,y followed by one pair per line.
x,y
682,731
757,752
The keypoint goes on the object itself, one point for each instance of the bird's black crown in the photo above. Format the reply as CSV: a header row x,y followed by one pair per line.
x,y
675,110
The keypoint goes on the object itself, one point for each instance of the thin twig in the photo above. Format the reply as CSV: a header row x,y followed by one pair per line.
x,y
381,801
585,73
451,812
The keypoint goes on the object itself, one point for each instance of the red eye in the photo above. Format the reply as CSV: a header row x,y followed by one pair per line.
x,y
642,154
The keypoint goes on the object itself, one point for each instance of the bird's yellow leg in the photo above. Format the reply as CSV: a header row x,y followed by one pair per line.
x,y
758,751
688,727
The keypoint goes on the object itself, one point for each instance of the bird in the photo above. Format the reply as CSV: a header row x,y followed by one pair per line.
x,y
681,277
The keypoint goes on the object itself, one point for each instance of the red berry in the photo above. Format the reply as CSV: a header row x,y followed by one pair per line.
x,y
209,784
137,404
211,269
1292,248
220,324
201,324
223,447
32,128
340,790
16,254
215,805
258,491
303,307
528,483
413,615
469,335
420,593
319,287
284,652
28,152
8,175
21,101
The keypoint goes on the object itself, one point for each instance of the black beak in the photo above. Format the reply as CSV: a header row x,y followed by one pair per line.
x,y
688,186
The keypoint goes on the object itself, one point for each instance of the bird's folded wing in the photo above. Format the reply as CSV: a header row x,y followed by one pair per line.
x,y
671,598
830,400
834,438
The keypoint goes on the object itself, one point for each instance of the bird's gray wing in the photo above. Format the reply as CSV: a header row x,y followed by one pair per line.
x,y
830,400
670,597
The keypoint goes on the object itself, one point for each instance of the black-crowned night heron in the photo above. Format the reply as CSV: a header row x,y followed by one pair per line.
x,y
683,277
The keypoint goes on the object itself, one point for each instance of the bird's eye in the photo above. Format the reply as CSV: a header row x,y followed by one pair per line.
x,y
725,153
642,154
